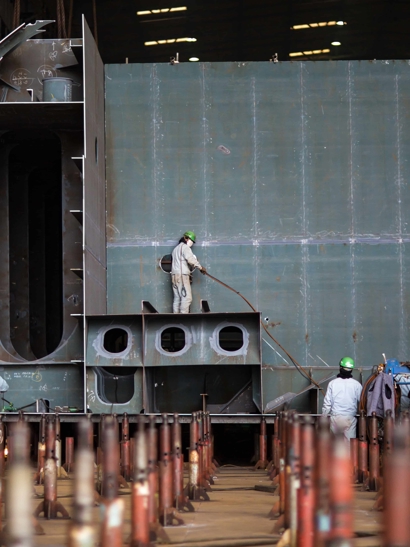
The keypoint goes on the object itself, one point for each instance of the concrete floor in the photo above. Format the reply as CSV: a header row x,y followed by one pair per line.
x,y
236,515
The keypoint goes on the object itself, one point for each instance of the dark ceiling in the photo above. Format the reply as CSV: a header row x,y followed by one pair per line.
x,y
235,30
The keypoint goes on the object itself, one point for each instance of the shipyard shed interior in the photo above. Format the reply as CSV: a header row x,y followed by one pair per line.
x,y
293,176
282,172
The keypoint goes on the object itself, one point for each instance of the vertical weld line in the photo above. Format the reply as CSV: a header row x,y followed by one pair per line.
x,y
303,151
351,204
254,160
205,141
205,131
399,173
304,241
403,321
354,304
255,192
155,93
351,188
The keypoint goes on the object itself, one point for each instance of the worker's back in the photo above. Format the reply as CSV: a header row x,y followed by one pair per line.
x,y
342,397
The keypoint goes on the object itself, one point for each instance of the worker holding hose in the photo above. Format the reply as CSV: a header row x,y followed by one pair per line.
x,y
341,400
183,263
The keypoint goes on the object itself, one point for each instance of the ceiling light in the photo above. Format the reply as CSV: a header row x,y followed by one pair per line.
x,y
316,25
336,43
161,10
194,59
168,41
309,52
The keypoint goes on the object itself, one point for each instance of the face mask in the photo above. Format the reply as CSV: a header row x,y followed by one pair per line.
x,y
189,242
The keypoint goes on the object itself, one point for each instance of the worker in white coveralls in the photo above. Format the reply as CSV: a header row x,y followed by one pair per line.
x,y
3,385
183,263
342,399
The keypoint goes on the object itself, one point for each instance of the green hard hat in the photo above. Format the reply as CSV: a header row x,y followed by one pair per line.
x,y
191,235
346,362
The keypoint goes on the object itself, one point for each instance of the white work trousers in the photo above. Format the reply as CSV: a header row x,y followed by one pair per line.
x,y
344,424
181,286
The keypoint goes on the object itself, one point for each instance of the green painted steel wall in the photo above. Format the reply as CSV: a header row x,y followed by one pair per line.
x,y
295,177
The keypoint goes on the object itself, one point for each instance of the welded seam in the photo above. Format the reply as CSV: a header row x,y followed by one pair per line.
x,y
399,183
205,142
353,240
205,130
351,188
304,247
255,190
394,239
254,160
155,98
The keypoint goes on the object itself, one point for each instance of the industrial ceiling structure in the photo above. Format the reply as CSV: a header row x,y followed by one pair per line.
x,y
153,31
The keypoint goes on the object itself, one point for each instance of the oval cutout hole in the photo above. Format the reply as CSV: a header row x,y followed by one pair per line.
x,y
115,340
173,339
231,338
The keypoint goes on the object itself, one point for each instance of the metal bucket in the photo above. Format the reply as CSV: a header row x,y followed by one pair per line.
x,y
57,90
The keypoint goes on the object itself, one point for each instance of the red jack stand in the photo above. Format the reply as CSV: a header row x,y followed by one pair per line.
x,y
50,507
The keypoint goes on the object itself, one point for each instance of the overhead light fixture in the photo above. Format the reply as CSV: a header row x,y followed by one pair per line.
x,y
161,10
316,25
341,23
309,52
194,59
336,43
168,41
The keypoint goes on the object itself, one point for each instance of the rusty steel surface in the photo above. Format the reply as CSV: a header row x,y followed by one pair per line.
x,y
140,534
241,496
27,316
24,69
69,454
152,440
137,343
374,454
19,35
321,484
94,177
37,324
269,164
18,498
50,506
81,531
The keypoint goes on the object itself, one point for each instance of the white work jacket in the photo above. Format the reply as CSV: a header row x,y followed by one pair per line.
x,y
342,397
182,259
3,385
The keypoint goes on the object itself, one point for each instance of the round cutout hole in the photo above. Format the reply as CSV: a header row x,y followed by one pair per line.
x,y
173,339
231,338
116,340
166,263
